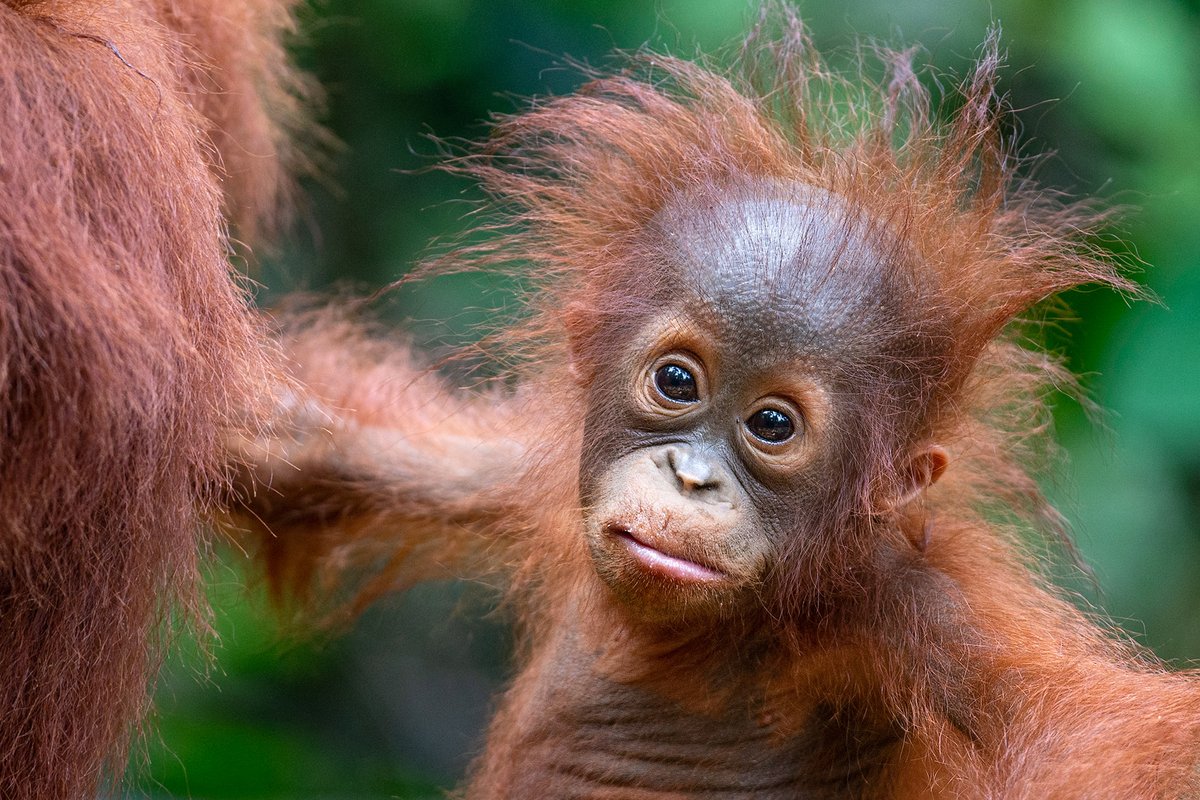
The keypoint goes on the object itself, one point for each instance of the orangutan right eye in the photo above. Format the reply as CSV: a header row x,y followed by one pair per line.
x,y
676,383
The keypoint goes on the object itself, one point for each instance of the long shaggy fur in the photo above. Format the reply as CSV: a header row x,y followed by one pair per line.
x,y
930,613
127,348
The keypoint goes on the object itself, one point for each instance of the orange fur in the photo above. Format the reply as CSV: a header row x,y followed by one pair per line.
x,y
909,653
127,347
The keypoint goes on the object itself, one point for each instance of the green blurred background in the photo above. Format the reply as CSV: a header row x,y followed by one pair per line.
x,y
395,707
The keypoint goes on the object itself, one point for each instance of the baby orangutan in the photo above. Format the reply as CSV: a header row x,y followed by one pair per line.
x,y
759,482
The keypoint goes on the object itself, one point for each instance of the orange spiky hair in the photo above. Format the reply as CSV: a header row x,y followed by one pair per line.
x,y
577,181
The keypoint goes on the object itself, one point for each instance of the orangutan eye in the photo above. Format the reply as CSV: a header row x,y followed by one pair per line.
x,y
676,383
771,425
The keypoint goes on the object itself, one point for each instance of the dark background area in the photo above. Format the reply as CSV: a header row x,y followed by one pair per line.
x,y
395,707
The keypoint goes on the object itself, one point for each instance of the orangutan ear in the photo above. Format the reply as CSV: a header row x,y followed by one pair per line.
x,y
922,471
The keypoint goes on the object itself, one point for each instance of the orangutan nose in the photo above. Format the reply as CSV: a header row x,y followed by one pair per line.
x,y
693,471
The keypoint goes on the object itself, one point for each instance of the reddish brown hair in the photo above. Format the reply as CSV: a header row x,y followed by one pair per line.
x,y
576,180
127,348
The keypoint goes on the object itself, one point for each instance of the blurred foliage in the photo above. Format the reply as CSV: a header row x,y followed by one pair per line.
x,y
396,707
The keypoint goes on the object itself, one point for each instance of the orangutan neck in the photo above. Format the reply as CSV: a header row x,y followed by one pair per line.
x,y
570,729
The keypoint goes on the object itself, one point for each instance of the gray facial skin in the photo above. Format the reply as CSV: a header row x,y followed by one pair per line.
x,y
778,298
793,269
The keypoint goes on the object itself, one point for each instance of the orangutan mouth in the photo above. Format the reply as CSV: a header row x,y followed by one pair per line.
x,y
661,563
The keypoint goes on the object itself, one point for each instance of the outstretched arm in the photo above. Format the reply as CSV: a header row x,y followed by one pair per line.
x,y
374,474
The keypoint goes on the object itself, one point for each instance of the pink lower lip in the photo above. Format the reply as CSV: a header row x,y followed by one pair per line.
x,y
670,566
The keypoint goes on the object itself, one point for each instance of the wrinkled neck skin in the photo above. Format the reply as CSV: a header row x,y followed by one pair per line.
x,y
610,708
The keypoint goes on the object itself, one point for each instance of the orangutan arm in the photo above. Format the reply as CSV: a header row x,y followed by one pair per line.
x,y
1017,687
373,474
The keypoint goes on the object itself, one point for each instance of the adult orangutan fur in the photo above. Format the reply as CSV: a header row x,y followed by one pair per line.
x,y
131,130
899,643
